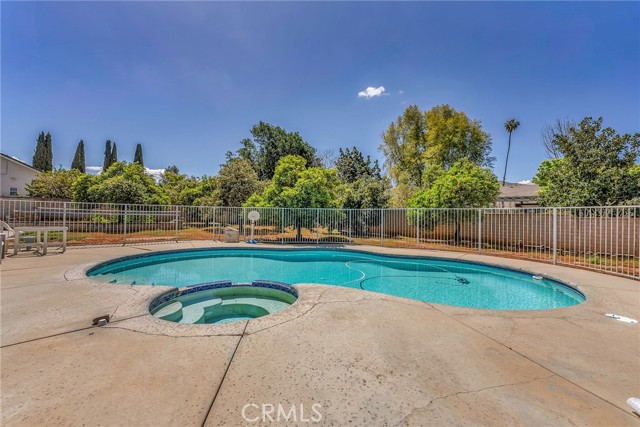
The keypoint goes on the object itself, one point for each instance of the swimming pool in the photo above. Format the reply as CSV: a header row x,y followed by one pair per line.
x,y
425,279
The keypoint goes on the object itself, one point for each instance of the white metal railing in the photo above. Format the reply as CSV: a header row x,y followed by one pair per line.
x,y
597,238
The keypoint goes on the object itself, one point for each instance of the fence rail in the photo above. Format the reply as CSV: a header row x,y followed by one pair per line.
x,y
597,238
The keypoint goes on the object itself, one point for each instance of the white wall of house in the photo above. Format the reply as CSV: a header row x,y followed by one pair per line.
x,y
14,176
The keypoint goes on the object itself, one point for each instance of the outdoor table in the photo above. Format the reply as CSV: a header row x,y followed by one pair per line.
x,y
42,237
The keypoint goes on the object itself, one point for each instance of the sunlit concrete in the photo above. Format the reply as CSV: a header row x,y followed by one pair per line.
x,y
363,358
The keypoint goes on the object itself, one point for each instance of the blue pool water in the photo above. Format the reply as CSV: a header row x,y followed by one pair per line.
x,y
432,280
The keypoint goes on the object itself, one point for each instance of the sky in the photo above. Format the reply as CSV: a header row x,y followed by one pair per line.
x,y
188,80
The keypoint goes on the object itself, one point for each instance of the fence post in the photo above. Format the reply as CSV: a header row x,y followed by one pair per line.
x,y
244,224
64,215
177,220
213,229
479,230
124,237
350,224
382,227
555,235
282,232
317,226
417,227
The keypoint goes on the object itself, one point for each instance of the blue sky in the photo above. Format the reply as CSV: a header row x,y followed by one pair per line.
x,y
188,80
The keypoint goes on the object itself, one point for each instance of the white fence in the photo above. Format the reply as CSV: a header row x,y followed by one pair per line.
x,y
597,238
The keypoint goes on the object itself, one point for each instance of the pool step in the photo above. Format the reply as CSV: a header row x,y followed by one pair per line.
x,y
171,312
194,313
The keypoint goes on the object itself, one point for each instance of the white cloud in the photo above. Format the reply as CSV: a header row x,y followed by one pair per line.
x,y
371,92
155,173
96,169
525,182
400,91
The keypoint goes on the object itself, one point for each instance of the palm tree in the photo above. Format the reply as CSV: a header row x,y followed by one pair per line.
x,y
510,125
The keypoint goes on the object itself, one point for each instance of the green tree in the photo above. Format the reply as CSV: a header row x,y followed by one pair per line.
x,y
365,193
418,142
352,165
296,186
120,183
56,184
184,190
404,146
510,125
43,154
78,162
238,181
597,168
363,186
453,136
137,157
464,185
107,155
114,155
271,143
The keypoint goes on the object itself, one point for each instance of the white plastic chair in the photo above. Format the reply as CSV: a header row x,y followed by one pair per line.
x,y
9,234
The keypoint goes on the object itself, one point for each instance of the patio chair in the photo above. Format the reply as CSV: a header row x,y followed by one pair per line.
x,y
9,234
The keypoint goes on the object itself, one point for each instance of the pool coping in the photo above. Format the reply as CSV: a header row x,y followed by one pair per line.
x,y
151,324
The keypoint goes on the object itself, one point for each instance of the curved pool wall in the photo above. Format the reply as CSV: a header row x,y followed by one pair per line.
x,y
442,281
222,302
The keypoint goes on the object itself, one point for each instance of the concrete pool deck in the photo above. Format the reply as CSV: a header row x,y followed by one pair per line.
x,y
366,358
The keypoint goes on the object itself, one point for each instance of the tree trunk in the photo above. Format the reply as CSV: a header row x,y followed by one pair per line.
x,y
504,177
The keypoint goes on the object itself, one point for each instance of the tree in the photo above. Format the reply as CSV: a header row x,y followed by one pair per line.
x,y
137,157
453,136
78,162
172,169
296,186
351,166
238,181
56,184
327,158
548,134
43,154
438,138
598,167
464,185
184,190
271,143
404,145
120,183
114,154
107,155
363,186
510,125
365,193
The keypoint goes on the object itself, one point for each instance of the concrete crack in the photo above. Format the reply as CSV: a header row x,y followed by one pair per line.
x,y
402,421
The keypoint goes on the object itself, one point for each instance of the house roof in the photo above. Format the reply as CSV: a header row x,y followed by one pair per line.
x,y
518,190
20,162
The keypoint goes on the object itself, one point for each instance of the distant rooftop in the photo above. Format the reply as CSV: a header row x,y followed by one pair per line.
x,y
16,160
511,189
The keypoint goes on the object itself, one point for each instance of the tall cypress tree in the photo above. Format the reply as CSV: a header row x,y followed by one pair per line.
x,y
114,154
78,158
38,155
107,155
43,155
137,157
48,152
